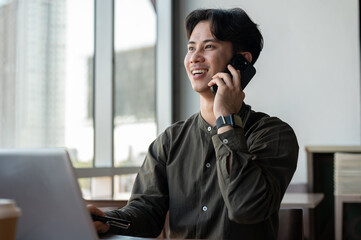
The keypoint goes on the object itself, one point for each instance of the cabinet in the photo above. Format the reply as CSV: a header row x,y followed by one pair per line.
x,y
320,168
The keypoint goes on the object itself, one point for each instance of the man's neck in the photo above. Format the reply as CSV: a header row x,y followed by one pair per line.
x,y
207,110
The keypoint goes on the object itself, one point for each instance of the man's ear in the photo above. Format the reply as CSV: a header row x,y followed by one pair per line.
x,y
247,55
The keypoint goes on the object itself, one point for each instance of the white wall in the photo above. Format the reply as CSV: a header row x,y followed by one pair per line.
x,y
308,73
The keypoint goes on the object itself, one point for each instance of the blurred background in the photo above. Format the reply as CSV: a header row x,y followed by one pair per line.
x,y
104,78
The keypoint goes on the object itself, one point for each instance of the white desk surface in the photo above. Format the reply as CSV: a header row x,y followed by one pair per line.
x,y
301,200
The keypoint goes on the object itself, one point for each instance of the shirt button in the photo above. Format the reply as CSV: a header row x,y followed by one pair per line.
x,y
204,208
208,165
209,129
225,141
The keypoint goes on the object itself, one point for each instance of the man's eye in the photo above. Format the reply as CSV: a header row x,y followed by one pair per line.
x,y
190,48
209,46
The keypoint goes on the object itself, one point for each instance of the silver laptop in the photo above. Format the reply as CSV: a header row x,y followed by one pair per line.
x,y
43,184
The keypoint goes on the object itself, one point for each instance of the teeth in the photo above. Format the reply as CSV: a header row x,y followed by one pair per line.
x,y
199,71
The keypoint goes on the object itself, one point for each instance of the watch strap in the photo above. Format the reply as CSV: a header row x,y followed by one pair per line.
x,y
231,120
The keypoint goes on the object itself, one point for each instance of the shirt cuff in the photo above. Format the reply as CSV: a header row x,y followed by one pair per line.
x,y
230,141
114,230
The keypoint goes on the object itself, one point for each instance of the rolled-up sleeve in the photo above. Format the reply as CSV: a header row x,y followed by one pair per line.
x,y
261,168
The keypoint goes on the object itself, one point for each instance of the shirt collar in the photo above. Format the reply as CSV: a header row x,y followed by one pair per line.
x,y
204,126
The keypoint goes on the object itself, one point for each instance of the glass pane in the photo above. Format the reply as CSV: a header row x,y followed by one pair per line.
x,y
101,188
134,122
123,186
85,187
46,49
79,128
96,188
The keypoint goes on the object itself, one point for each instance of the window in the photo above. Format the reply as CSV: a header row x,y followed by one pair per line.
x,y
134,79
70,79
44,52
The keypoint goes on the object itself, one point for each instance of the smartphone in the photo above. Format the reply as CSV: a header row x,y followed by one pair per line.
x,y
239,62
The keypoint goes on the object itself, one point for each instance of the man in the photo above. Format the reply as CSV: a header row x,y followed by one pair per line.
x,y
218,180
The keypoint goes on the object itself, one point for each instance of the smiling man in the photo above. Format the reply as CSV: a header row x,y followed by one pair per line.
x,y
221,173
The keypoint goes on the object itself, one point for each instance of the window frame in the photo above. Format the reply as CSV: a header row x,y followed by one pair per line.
x,y
103,82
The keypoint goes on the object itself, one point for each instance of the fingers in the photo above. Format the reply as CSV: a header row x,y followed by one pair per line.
x,y
236,76
216,80
99,226
94,210
225,79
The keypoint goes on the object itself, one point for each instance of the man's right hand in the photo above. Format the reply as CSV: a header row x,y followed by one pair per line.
x,y
100,227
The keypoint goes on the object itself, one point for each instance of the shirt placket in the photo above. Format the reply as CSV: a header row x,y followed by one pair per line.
x,y
208,166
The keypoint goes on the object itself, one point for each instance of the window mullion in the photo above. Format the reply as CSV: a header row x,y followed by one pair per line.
x,y
164,66
103,84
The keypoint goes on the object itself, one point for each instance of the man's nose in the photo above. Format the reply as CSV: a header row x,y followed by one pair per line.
x,y
197,56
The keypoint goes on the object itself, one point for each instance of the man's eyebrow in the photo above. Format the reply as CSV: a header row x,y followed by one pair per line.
x,y
205,41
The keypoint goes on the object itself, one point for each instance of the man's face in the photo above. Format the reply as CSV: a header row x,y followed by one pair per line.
x,y
206,56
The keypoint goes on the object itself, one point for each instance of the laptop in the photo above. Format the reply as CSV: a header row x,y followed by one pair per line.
x,y
43,184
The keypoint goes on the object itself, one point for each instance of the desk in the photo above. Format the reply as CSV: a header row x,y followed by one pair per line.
x,y
307,202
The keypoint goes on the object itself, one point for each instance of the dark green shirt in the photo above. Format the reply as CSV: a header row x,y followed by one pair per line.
x,y
185,172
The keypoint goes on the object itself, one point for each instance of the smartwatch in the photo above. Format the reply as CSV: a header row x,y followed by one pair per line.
x,y
232,120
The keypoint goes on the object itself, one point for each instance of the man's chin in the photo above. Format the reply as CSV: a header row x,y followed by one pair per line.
x,y
202,90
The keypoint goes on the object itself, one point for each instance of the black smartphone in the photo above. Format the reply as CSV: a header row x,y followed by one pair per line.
x,y
247,70
115,222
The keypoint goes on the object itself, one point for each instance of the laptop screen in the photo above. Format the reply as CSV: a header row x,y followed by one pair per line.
x,y
42,183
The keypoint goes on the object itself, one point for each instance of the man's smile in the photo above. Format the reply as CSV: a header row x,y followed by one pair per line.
x,y
199,71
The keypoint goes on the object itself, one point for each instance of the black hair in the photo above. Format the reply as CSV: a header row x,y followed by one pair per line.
x,y
233,25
